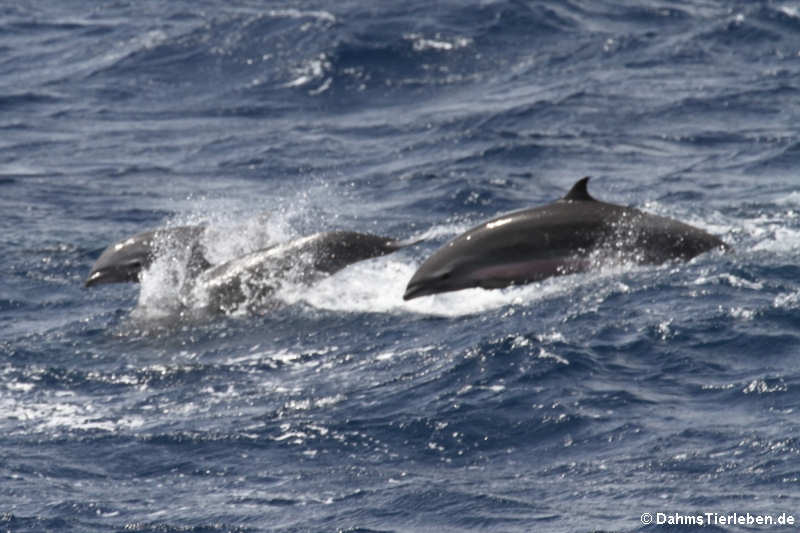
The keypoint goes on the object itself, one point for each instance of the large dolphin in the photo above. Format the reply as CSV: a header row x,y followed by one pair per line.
x,y
125,260
253,278
570,235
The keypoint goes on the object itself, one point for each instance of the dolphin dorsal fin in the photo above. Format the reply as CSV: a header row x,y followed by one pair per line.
x,y
578,192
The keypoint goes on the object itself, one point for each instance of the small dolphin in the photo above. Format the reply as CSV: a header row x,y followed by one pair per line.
x,y
125,260
254,277
567,236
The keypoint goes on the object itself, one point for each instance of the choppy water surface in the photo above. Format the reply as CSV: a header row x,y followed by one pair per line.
x,y
575,404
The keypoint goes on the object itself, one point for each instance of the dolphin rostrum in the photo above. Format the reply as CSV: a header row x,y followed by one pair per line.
x,y
571,235
253,278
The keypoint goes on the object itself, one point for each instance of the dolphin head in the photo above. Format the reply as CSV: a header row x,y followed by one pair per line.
x,y
122,262
126,259
446,271
433,281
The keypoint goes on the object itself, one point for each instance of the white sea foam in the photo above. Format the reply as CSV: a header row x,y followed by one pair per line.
x,y
61,412
733,281
793,198
437,42
165,285
320,15
775,238
788,300
311,70
377,286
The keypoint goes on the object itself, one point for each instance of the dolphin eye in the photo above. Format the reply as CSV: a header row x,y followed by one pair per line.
x,y
444,276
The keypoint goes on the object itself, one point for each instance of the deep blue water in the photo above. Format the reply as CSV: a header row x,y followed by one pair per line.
x,y
575,404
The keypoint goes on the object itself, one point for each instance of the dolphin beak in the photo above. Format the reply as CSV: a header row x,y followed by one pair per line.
x,y
411,292
118,274
96,277
415,289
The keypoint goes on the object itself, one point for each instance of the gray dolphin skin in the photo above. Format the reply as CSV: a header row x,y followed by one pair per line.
x,y
125,260
254,277
573,234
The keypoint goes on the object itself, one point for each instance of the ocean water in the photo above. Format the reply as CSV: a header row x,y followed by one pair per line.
x,y
580,403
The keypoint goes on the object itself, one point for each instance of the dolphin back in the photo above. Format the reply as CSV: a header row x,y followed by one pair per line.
x,y
252,279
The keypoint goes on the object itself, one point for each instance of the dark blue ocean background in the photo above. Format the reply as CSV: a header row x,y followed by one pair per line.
x,y
574,404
